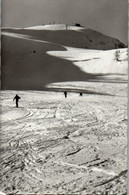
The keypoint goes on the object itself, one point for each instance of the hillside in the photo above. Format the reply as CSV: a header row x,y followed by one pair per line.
x,y
30,63
72,36
56,145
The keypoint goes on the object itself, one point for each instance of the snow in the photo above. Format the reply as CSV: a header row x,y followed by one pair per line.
x,y
96,61
55,27
1,193
52,144
21,36
90,61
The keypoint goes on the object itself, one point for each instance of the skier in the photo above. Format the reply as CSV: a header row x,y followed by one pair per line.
x,y
65,93
80,93
17,99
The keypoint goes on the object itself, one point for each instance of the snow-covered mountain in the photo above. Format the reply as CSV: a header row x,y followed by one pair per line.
x,y
71,36
33,59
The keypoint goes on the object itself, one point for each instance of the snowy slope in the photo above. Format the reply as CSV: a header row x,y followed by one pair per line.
x,y
57,145
96,61
52,63
55,27
71,36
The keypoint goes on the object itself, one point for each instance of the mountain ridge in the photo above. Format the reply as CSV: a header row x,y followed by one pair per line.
x,y
72,36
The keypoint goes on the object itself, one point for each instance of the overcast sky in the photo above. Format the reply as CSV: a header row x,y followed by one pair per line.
x,y
107,16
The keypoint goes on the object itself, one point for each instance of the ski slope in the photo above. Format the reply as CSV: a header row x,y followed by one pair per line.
x,y
57,145
96,61
52,144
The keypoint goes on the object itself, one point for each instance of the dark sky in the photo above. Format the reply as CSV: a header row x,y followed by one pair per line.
x,y
107,16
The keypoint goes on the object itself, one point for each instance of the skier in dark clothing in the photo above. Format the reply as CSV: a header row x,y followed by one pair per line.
x,y
65,93
80,93
17,99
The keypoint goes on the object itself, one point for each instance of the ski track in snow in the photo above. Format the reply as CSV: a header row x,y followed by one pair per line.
x,y
63,145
